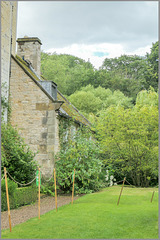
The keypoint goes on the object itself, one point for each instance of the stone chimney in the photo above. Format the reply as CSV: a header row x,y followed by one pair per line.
x,y
29,48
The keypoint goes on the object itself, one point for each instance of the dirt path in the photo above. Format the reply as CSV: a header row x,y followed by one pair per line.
x,y
24,213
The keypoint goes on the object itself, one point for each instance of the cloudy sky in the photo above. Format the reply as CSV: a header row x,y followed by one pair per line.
x,y
90,30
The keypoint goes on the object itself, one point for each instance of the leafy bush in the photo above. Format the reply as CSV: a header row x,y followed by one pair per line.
x,y
17,196
11,191
11,186
129,139
91,100
25,195
16,155
81,154
48,187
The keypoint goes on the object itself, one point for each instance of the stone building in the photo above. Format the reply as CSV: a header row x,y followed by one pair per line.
x,y
36,104
8,42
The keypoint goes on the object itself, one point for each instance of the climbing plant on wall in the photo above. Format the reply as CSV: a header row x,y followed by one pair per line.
x,y
81,152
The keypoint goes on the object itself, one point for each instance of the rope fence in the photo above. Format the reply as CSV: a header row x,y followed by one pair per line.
x,y
21,184
38,184
130,184
47,180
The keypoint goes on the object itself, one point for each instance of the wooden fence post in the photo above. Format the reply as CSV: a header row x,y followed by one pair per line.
x,y
39,194
73,186
152,196
121,191
55,188
9,215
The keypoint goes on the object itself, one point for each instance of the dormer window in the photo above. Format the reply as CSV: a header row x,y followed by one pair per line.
x,y
50,87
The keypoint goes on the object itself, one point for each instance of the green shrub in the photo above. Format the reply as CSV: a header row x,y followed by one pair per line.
x,y
82,154
12,186
47,187
16,156
25,195
17,196
46,190
12,202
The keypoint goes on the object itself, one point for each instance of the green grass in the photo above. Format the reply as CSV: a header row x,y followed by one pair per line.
x,y
97,216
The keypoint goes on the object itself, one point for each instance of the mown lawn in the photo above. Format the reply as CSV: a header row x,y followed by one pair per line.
x,y
97,216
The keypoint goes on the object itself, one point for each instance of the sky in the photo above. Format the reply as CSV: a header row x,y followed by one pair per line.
x,y
91,30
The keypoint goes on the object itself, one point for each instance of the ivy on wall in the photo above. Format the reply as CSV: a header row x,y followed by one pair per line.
x,y
78,151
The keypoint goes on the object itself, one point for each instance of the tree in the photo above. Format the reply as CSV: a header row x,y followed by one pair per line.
x,y
70,73
128,73
128,66
92,100
86,102
125,73
149,98
129,140
151,73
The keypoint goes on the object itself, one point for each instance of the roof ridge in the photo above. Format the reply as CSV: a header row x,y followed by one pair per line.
x,y
33,76
73,111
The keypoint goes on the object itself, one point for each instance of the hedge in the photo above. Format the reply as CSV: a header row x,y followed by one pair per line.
x,y
20,197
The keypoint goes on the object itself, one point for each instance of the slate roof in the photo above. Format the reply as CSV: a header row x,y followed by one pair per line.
x,y
67,109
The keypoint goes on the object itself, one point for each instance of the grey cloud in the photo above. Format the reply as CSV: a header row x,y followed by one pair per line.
x,y
59,24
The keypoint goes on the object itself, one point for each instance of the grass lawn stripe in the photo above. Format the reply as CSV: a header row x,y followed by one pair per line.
x,y
97,216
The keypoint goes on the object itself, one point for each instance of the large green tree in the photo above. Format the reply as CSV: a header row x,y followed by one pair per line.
x,y
128,66
92,100
151,73
70,73
124,73
129,139
128,73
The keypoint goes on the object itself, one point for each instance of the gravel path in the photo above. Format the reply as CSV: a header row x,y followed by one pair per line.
x,y
24,213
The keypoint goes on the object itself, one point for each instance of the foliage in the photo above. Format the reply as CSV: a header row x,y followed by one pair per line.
x,y
26,195
86,102
125,73
128,66
70,73
82,154
128,73
4,102
149,98
47,187
92,100
16,155
17,196
129,140
151,73
11,187
47,190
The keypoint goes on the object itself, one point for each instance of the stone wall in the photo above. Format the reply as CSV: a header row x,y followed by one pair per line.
x,y
33,114
8,28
